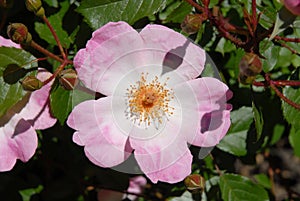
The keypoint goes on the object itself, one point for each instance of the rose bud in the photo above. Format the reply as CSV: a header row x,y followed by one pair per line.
x,y
293,6
18,33
31,83
250,66
194,183
68,79
36,7
191,23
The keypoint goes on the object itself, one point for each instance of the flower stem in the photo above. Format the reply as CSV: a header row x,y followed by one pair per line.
x,y
45,52
58,70
55,37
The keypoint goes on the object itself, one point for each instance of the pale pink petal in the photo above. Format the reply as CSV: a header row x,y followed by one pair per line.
x,y
136,185
8,43
214,114
37,110
174,173
105,144
173,51
112,51
161,150
18,140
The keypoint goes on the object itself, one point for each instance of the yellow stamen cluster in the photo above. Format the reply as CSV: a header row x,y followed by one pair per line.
x,y
149,102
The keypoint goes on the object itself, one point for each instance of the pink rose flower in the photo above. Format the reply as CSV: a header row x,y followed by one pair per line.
x,y
154,104
293,6
18,138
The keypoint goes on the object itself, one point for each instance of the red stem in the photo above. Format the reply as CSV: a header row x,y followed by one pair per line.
x,y
55,37
58,70
45,52
288,101
295,40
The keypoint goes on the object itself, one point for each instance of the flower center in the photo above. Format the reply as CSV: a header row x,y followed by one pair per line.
x,y
148,102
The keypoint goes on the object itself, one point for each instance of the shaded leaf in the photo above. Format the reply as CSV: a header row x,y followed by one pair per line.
x,y
175,12
237,188
294,139
263,180
291,114
235,140
27,193
10,94
63,101
98,13
271,53
259,121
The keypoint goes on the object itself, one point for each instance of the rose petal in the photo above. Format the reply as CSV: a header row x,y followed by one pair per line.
x,y
18,140
173,51
114,48
160,151
8,43
37,110
97,131
214,113
174,173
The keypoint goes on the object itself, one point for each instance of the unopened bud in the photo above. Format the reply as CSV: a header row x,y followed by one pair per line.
x,y
18,33
194,183
191,23
36,7
250,66
68,79
6,3
293,6
31,83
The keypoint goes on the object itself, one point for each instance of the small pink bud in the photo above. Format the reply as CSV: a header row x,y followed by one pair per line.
x,y
293,6
194,183
191,23
31,83
68,79
250,66
18,33
36,7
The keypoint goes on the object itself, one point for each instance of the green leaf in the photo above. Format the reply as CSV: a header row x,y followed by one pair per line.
x,y
283,20
98,13
62,101
56,21
237,188
263,180
225,46
258,120
294,139
235,140
27,193
53,3
10,94
175,12
271,52
291,114
186,196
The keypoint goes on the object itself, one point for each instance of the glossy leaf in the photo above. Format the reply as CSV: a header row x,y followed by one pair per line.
x,y
98,13
11,93
235,140
237,188
271,54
